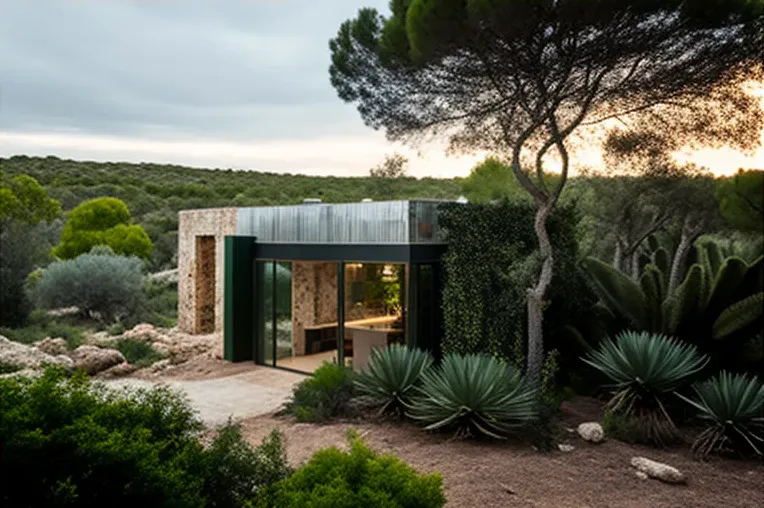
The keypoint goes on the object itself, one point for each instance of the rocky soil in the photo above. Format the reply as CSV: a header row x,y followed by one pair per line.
x,y
184,355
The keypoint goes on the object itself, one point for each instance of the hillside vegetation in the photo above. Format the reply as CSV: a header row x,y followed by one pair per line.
x,y
155,193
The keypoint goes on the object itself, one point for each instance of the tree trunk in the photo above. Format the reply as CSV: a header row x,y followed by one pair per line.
x,y
536,297
618,256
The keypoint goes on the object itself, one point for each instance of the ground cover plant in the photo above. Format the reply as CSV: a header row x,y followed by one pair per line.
x,y
325,395
351,479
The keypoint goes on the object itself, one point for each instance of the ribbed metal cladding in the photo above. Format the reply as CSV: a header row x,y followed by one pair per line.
x,y
389,222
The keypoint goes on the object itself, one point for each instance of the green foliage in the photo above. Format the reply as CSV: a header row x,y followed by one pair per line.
x,y
474,394
102,221
110,286
391,376
68,442
155,193
622,428
323,396
8,368
718,306
40,328
337,479
138,352
24,205
159,305
490,263
740,200
644,368
732,406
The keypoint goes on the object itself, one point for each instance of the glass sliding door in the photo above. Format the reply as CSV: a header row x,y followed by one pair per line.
x,y
274,301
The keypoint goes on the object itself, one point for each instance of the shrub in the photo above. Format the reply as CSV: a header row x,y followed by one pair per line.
x,y
138,352
392,373
67,442
358,478
323,396
36,332
732,405
102,221
645,368
110,286
474,393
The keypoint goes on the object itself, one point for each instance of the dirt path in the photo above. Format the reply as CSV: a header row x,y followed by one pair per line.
x,y
257,391
515,476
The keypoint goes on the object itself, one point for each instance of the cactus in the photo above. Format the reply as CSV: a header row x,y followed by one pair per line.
x,y
718,306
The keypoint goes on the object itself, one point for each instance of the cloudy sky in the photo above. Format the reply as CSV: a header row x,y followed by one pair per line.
x,y
229,83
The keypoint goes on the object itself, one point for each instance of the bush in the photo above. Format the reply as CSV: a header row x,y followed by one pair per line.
x,y
38,331
323,396
392,373
336,479
67,442
474,394
111,286
138,352
645,368
732,405
102,221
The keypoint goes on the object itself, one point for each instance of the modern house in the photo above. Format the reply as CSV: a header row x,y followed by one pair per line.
x,y
294,286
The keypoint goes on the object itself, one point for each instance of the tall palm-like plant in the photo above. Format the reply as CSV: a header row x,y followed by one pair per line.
x,y
390,377
732,405
474,393
645,368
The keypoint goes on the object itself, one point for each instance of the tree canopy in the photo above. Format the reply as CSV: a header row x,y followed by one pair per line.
x,y
740,200
102,221
23,199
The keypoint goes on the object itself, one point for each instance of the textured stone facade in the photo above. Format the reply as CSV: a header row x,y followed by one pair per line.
x,y
314,299
196,231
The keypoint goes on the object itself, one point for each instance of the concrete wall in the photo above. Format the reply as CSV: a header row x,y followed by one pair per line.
x,y
216,222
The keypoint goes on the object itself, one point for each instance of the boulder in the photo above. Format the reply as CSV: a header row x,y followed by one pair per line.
x,y
94,359
122,369
52,346
28,357
143,331
658,470
591,431
565,448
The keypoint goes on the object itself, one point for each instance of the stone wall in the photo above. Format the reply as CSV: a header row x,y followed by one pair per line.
x,y
193,224
314,299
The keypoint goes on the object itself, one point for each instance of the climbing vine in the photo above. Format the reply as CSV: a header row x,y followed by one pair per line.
x,y
491,261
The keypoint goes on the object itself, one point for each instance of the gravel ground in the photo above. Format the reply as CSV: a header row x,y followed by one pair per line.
x,y
255,392
513,475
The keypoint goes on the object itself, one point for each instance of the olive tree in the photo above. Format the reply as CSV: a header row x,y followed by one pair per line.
x,y
523,77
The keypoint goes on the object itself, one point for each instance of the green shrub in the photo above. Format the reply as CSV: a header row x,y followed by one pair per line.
x,y
323,396
474,394
116,329
645,368
622,428
360,478
7,368
138,352
392,373
102,221
732,405
109,286
69,442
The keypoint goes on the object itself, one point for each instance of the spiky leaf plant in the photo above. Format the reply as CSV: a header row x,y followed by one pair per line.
x,y
645,368
732,405
390,377
474,394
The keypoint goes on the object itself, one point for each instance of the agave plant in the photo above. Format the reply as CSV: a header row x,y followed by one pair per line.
x,y
733,405
390,377
645,368
474,393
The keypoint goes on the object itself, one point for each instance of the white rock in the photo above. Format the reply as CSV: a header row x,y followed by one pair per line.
x,y
591,431
122,369
15,353
94,359
641,475
658,470
22,372
565,448
52,346
160,365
